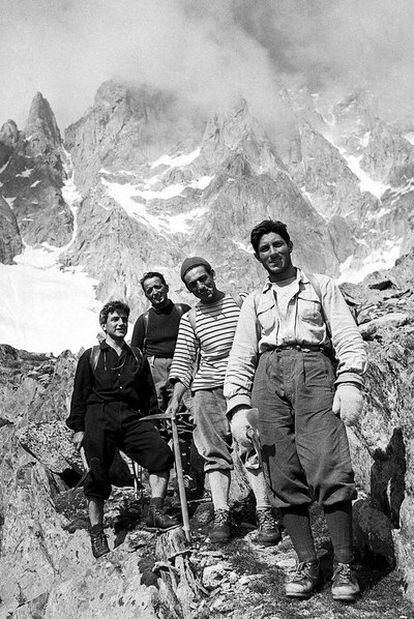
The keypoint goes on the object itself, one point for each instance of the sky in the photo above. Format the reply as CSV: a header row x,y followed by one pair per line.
x,y
208,52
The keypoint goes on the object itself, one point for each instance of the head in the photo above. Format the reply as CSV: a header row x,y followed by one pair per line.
x,y
198,276
273,248
155,288
113,319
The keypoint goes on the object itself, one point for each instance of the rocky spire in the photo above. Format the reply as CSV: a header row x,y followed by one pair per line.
x,y
9,134
41,129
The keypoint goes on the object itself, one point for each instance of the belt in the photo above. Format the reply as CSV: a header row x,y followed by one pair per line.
x,y
311,348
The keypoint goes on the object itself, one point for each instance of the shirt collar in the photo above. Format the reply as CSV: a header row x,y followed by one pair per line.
x,y
300,277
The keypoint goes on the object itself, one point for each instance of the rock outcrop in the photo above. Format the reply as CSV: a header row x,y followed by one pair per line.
x,y
10,239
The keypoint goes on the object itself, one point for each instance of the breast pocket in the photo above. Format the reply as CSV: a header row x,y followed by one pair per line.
x,y
309,309
266,315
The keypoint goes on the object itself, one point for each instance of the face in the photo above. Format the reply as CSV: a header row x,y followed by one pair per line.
x,y
201,283
275,255
116,325
155,291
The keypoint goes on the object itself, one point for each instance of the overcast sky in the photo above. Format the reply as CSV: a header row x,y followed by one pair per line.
x,y
206,51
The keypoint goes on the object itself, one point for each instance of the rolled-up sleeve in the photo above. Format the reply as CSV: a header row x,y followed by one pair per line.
x,y
243,356
350,349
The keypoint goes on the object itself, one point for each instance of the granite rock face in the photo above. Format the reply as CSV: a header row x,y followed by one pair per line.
x,y
32,175
10,239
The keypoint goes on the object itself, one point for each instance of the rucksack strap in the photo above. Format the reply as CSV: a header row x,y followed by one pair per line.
x,y
96,351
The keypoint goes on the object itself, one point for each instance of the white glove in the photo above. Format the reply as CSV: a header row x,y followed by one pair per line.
x,y
347,403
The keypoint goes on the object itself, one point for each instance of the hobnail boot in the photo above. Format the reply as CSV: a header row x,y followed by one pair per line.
x,y
268,532
99,542
304,581
157,519
345,587
220,529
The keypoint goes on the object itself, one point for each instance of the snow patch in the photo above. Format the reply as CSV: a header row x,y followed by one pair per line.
x,y
45,309
5,166
10,201
378,259
175,162
407,136
377,188
26,173
35,184
125,194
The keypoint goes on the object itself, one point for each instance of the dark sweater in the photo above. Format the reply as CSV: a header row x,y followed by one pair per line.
x,y
117,383
162,331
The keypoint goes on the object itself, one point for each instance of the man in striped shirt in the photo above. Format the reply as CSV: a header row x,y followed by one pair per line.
x,y
201,354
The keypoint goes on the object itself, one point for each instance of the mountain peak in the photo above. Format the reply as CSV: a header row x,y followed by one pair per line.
x,y
41,129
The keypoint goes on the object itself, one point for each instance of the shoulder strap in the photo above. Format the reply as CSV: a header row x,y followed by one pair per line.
x,y
315,285
138,355
181,308
94,356
145,320
239,298
192,318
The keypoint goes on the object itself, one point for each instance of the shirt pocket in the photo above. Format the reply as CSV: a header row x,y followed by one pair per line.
x,y
266,314
309,308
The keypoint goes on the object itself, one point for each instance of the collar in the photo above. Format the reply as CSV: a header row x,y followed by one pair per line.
x,y
105,346
300,278
164,310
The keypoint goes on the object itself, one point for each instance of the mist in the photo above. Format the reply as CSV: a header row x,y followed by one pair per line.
x,y
208,53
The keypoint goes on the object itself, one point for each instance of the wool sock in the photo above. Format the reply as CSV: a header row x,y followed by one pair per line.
x,y
219,481
258,485
339,521
297,523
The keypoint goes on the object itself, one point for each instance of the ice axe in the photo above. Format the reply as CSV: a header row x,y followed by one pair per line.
x,y
178,466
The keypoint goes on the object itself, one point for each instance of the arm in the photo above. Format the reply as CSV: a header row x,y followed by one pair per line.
x,y
138,334
81,390
243,358
185,354
346,338
147,393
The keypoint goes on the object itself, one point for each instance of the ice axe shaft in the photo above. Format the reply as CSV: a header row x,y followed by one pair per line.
x,y
178,467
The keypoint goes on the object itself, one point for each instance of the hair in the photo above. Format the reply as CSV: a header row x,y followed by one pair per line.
x,y
266,226
110,308
149,275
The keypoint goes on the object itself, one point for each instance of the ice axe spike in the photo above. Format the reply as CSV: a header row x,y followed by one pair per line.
x,y
178,467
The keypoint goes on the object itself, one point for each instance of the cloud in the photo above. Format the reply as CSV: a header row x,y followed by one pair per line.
x,y
209,52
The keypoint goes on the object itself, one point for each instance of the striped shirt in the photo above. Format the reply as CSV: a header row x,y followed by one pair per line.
x,y
215,326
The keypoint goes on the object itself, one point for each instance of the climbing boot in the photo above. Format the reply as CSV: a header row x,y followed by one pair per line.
x,y
157,519
268,532
345,586
304,581
99,542
220,529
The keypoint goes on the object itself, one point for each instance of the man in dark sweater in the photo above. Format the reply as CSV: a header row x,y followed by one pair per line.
x,y
113,389
155,332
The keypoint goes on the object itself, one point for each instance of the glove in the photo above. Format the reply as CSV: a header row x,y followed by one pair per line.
x,y
347,403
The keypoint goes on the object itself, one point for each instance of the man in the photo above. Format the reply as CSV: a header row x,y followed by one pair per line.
x,y
155,332
112,390
281,362
206,334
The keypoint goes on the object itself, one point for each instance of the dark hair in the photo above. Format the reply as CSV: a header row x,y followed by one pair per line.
x,y
266,226
110,308
149,275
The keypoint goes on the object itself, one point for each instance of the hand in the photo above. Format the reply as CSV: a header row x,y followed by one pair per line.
x,y
77,439
173,407
347,403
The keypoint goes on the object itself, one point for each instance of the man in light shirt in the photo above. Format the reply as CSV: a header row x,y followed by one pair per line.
x,y
281,363
204,341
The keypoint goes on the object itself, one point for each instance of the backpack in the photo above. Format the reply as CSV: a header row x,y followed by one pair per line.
x,y
180,307
96,350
